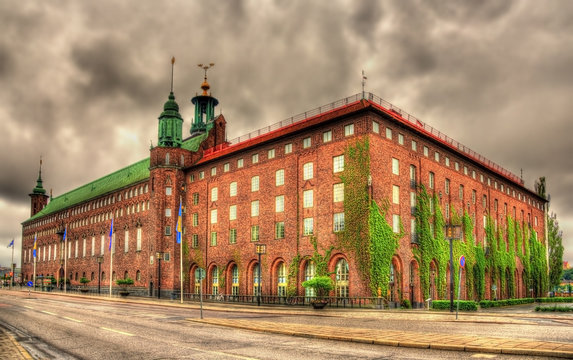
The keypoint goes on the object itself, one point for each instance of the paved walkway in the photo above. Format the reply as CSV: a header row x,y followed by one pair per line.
x,y
10,349
405,338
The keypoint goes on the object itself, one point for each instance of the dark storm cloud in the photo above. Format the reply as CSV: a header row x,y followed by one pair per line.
x,y
84,82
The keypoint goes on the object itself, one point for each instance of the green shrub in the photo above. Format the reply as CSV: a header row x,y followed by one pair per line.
x,y
321,285
84,280
124,282
554,308
555,299
484,304
465,305
406,304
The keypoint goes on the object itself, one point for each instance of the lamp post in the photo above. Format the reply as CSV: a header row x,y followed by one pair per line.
x,y
99,261
260,249
159,256
61,232
453,232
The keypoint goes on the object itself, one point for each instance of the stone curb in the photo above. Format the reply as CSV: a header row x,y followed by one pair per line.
x,y
401,338
12,350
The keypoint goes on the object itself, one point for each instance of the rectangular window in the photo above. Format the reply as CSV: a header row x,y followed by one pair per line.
x,y
254,158
431,180
138,240
461,192
412,176
388,133
280,177
306,142
201,174
214,194
279,203
432,208
271,154
288,148
233,212
447,187
338,192
195,198
255,208
213,216
395,166
240,163
191,178
93,247
102,242
465,170
412,199
327,136
279,230
233,189
473,196
414,145
308,226
254,232
375,127
232,236
457,166
226,167
484,201
126,245
437,156
481,177
255,183
83,250
426,151
213,238
168,190
195,219
167,231
400,139
348,129
213,171
308,197
473,174
195,239
396,223
338,163
307,171
395,194
76,249
447,161
338,222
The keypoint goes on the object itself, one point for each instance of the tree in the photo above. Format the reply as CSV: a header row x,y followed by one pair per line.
x,y
555,242
540,187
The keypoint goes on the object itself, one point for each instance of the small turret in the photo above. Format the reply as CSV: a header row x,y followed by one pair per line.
x,y
170,129
204,105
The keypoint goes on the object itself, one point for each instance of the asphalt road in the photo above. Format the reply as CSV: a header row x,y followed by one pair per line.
x,y
59,327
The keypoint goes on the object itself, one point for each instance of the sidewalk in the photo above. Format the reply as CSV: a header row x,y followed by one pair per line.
x,y
10,349
405,338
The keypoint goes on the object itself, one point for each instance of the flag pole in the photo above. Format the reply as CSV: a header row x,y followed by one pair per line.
x,y
180,234
65,261
12,266
35,240
111,248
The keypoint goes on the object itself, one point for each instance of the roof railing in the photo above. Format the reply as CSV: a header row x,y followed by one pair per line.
x,y
402,115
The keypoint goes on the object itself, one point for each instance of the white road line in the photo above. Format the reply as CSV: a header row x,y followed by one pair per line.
x,y
72,319
49,313
29,307
117,331
223,353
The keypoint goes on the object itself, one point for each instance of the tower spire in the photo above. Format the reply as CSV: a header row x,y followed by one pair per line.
x,y
170,121
39,189
172,66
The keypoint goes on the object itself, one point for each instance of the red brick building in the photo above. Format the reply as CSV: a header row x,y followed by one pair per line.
x,y
278,186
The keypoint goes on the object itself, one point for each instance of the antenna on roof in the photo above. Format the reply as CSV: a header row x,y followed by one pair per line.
x,y
521,174
172,66
364,78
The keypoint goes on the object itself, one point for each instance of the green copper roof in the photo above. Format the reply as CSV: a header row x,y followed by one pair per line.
x,y
170,124
116,180
121,178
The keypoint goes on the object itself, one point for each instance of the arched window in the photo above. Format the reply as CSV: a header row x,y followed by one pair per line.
x,y
138,275
92,276
342,278
113,277
125,275
235,279
215,281
309,272
103,275
281,280
167,159
392,282
256,279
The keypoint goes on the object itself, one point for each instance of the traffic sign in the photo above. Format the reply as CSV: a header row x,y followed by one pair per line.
x,y
29,284
462,261
199,274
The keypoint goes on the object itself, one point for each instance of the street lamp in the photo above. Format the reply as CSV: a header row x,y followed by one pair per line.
x,y
159,256
61,231
453,232
260,249
99,261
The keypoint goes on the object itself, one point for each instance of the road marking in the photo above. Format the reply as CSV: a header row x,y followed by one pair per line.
x,y
49,313
224,353
484,356
71,319
117,331
29,307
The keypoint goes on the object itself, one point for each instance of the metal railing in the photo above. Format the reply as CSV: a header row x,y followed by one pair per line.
x,y
400,114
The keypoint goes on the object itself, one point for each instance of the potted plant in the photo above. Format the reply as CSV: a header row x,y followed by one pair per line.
x,y
322,286
124,283
84,281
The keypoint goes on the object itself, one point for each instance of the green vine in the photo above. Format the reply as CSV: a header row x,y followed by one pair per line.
x,y
293,270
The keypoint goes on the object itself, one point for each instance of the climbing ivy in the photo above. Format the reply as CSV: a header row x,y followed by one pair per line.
x,y
293,270
383,244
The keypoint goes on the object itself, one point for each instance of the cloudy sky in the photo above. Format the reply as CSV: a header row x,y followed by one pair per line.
x,y
83,82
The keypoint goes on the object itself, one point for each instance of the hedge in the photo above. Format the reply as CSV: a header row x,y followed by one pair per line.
x,y
554,308
555,299
484,304
465,305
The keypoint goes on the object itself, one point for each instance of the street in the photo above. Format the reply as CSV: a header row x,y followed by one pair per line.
x,y
60,327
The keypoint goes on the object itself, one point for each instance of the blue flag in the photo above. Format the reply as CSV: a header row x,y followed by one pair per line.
x,y
11,243
179,226
110,233
65,233
35,238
